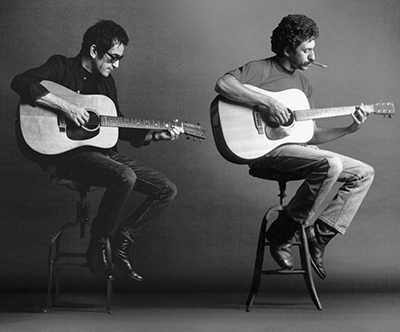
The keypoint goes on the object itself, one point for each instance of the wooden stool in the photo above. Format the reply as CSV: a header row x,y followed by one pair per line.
x,y
56,254
300,241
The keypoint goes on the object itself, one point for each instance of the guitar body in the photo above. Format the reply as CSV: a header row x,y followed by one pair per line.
x,y
43,133
242,136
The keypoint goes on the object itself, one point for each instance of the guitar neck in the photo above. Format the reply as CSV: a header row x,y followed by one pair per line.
x,y
114,121
320,113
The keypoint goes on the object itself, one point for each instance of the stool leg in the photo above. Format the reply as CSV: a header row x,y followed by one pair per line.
x,y
109,294
49,283
56,267
110,279
257,266
82,212
306,265
53,255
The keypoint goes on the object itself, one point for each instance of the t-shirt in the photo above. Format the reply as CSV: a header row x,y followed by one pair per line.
x,y
270,75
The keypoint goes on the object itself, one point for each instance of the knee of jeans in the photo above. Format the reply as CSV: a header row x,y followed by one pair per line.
x,y
169,191
368,172
129,178
335,166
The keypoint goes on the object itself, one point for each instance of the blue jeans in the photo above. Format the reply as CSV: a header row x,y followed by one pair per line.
x,y
321,169
120,175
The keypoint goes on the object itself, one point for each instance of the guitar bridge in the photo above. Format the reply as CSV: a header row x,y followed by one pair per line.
x,y
257,121
62,123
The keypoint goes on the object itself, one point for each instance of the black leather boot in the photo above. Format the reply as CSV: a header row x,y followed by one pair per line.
x,y
96,257
280,235
120,245
318,236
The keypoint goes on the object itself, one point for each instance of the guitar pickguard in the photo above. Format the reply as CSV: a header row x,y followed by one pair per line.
x,y
277,133
76,133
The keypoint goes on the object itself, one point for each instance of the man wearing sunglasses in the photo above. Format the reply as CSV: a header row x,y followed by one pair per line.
x,y
90,73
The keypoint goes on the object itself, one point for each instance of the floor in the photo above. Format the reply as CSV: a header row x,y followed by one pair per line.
x,y
188,312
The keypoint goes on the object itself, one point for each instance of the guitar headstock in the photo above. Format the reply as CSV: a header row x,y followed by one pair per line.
x,y
196,131
385,109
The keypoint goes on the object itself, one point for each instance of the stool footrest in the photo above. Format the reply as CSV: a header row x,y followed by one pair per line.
x,y
70,264
71,254
283,272
294,243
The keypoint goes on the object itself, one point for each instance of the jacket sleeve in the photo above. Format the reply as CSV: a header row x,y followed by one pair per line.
x,y
27,84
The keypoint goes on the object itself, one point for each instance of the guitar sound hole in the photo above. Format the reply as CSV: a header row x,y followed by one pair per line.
x,y
93,123
89,130
274,125
291,119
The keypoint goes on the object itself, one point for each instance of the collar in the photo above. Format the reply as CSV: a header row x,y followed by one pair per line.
x,y
281,67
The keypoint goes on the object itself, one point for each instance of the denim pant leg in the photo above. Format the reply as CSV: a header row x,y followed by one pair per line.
x,y
321,170
120,175
99,169
160,192
357,178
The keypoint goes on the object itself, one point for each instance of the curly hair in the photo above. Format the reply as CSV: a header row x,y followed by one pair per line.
x,y
104,34
291,32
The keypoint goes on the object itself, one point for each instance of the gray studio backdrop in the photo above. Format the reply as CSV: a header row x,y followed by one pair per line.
x,y
206,239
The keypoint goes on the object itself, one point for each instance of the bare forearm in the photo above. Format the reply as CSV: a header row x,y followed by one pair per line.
x,y
325,135
74,112
55,102
229,87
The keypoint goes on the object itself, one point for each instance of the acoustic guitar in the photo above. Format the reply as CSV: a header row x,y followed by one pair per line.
x,y
242,135
49,132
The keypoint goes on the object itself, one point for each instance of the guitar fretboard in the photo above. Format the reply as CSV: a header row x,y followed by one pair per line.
x,y
319,113
113,121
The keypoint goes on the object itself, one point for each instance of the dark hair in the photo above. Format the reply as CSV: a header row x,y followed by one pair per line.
x,y
104,34
291,32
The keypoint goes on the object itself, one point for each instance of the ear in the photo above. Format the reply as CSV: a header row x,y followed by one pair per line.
x,y
286,52
93,51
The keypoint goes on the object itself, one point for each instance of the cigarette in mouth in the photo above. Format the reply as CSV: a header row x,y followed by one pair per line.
x,y
319,64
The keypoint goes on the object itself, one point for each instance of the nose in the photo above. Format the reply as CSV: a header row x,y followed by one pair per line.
x,y
311,56
116,64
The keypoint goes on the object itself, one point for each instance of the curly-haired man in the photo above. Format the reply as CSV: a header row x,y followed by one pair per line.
x,y
293,42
